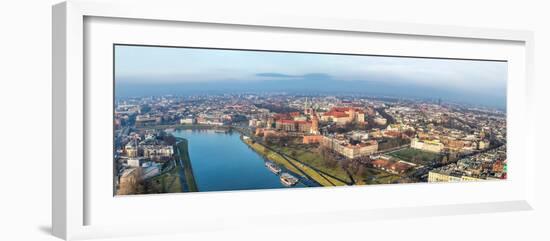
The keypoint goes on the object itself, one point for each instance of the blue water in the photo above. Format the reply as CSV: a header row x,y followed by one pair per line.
x,y
222,162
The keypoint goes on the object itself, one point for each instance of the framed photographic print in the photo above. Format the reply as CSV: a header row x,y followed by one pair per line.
x,y
179,117
191,119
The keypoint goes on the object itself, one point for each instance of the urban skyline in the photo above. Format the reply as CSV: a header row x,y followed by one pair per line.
x,y
200,120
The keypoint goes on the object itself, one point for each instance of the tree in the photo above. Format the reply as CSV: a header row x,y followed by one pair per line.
x,y
269,139
345,163
416,158
445,159
360,171
409,133
284,140
324,152
331,163
169,139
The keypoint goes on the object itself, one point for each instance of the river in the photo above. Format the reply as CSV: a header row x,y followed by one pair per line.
x,y
222,162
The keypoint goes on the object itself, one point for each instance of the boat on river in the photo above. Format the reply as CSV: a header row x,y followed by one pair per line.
x,y
288,180
273,167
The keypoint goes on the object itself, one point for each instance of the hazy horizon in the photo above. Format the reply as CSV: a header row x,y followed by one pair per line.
x,y
143,70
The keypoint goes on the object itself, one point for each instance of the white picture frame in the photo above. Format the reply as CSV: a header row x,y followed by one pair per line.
x,y
71,191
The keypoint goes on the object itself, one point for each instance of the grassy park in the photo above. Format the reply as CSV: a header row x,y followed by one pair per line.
x,y
310,155
415,156
294,166
375,176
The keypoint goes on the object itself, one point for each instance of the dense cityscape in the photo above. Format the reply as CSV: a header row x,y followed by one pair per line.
x,y
304,140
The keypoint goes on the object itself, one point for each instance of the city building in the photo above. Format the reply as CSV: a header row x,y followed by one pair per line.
x,y
188,121
450,175
483,144
129,181
293,126
311,139
147,120
388,165
344,115
155,151
134,162
314,124
286,125
349,150
455,145
391,134
461,132
380,120
473,168
131,150
427,145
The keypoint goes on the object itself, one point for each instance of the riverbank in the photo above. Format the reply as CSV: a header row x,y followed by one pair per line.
x,y
186,127
293,165
182,155
307,156
222,162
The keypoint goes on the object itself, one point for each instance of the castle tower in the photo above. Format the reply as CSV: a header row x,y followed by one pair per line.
x,y
314,124
307,109
269,122
352,114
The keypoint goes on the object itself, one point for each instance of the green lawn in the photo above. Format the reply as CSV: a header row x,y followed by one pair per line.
x,y
272,156
295,166
415,155
374,176
309,154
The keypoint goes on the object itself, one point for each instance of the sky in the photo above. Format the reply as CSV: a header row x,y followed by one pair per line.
x,y
146,70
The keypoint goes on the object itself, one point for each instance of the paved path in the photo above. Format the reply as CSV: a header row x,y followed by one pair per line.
x,y
305,164
183,180
323,174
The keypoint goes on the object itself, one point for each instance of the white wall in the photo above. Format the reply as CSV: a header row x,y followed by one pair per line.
x,y
25,78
